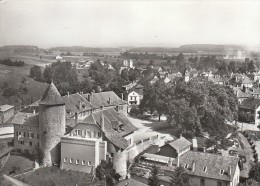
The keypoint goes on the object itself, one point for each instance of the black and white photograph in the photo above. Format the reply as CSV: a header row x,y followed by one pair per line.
x,y
129,92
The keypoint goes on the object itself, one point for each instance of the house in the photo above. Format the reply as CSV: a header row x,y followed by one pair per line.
x,y
6,112
205,169
175,148
104,134
106,100
249,111
256,76
134,97
241,94
59,58
134,93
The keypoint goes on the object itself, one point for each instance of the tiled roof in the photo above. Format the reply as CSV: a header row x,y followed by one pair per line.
x,y
26,119
4,108
72,103
250,103
213,162
115,137
245,80
180,143
51,96
139,91
102,99
240,93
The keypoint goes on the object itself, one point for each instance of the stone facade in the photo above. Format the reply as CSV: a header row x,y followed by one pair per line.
x,y
52,128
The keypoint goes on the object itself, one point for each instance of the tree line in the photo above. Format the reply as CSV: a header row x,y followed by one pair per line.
x,y
9,62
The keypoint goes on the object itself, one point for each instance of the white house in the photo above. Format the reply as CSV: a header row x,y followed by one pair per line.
x,y
134,97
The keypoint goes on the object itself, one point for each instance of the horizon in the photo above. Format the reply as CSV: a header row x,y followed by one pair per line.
x,y
111,24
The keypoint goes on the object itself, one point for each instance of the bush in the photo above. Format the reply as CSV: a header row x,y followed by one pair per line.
x,y
134,111
9,92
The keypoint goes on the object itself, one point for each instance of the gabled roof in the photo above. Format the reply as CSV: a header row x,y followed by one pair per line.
x,y
102,99
138,91
240,93
4,108
115,137
51,96
72,103
250,103
213,162
180,143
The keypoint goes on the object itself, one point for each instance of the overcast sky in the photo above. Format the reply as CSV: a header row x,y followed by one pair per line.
x,y
136,23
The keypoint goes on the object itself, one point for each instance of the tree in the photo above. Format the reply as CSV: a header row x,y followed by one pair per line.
x,y
153,179
125,74
105,171
254,172
10,92
36,73
179,177
232,67
251,66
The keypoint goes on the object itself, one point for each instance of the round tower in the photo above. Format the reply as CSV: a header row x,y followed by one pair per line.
x,y
52,125
120,163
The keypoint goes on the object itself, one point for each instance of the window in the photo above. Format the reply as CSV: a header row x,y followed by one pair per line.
x,y
31,135
83,162
219,183
20,133
22,127
204,169
30,143
30,128
71,160
21,142
202,182
186,166
24,134
38,144
16,133
19,126
222,172
89,163
64,160
38,136
77,162
99,134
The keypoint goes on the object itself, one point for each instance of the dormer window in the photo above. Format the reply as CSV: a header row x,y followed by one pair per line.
x,y
222,171
186,166
205,169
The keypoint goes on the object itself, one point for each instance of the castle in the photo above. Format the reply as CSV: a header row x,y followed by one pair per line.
x,y
75,131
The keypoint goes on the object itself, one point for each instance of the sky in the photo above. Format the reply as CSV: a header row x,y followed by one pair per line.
x,y
107,23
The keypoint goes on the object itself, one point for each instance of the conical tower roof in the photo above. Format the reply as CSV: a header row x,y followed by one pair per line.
x,y
51,96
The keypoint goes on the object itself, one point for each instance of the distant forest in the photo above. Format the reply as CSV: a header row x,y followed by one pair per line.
x,y
193,48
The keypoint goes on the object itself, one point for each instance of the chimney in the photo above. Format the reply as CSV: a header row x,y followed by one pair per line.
x,y
169,162
76,117
79,105
68,94
204,149
122,96
92,94
33,111
109,100
193,166
178,162
102,123
230,171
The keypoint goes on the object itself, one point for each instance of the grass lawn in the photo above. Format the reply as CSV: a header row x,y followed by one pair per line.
x,y
15,161
49,176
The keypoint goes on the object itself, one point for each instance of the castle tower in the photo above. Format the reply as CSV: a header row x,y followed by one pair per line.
x,y
51,125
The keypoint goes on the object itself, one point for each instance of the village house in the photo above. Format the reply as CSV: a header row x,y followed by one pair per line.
x,y
241,94
6,112
249,111
134,93
204,169
176,148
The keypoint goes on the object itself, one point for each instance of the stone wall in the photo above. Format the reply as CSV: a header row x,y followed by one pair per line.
x,y
120,163
52,128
